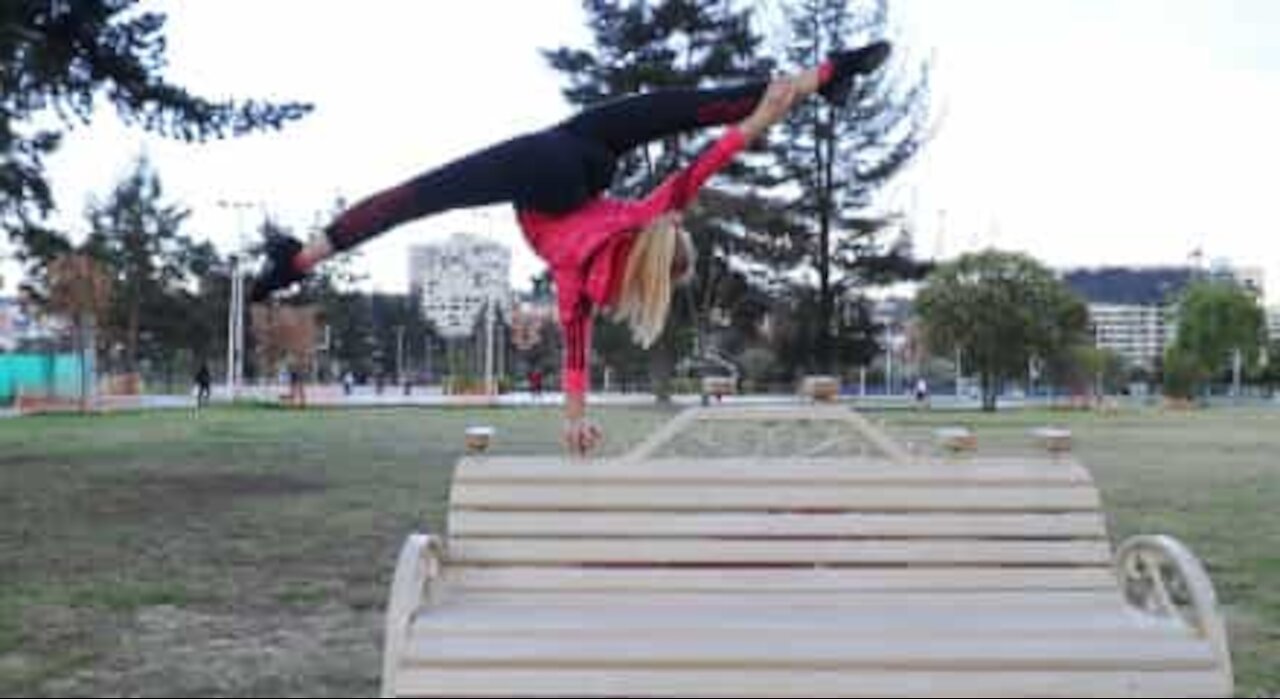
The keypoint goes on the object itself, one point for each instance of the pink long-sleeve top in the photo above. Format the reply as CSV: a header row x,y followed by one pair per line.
x,y
587,248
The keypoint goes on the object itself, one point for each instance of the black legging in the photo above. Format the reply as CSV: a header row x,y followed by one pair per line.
x,y
552,171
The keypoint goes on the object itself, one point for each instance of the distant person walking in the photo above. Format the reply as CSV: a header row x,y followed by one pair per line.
x,y
297,389
535,384
203,383
922,393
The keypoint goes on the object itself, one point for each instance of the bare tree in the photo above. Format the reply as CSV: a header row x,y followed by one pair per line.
x,y
286,335
80,289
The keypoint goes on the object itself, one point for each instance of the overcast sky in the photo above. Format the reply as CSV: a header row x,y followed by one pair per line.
x,y
1084,132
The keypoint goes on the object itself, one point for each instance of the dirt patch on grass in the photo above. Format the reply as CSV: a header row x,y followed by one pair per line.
x,y
20,459
332,651
57,639
190,492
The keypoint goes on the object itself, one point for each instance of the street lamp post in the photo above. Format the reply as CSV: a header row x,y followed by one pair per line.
x,y
488,347
235,321
235,316
888,366
1237,365
400,354
429,350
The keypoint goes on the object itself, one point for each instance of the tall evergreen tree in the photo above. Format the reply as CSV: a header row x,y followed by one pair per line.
x,y
840,157
139,238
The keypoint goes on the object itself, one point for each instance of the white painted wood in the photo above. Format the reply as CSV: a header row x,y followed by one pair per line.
x,y
730,684
1204,616
660,602
418,564
853,581
975,622
760,471
487,523
713,649
577,496
798,552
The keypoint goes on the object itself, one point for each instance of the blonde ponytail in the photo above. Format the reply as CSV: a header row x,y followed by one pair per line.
x,y
644,296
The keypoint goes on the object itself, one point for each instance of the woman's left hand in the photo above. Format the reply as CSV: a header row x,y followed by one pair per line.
x,y
582,436
777,101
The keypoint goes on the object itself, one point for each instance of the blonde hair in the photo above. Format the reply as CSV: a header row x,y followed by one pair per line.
x,y
644,296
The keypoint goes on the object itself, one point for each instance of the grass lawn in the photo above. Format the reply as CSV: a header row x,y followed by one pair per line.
x,y
247,552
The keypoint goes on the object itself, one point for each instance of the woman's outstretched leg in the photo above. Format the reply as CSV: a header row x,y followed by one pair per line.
x,y
542,171
627,122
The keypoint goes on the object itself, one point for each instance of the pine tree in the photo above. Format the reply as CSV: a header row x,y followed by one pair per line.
x,y
840,158
138,236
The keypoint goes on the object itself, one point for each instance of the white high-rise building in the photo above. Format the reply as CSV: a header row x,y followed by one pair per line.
x,y
457,278
1133,310
1139,333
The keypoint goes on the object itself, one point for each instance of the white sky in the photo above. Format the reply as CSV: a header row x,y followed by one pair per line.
x,y
1084,132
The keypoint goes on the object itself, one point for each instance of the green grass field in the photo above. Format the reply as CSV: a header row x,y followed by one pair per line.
x,y
247,552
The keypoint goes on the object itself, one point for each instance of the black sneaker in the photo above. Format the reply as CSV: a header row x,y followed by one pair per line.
x,y
847,64
278,271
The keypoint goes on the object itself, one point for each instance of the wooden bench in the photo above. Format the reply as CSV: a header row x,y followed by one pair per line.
x,y
27,404
656,574
1054,440
822,389
719,386
956,439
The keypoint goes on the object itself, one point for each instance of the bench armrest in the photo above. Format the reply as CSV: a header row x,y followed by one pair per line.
x,y
1159,575
421,562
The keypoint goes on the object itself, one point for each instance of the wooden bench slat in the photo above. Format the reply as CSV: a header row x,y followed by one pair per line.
x,y
572,496
798,552
494,682
475,523
928,651
902,579
974,622
661,602
770,471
